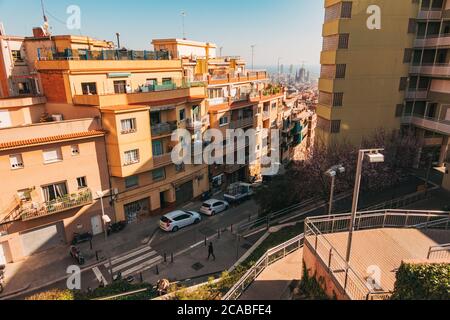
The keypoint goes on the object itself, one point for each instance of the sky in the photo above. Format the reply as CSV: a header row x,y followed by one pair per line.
x,y
286,29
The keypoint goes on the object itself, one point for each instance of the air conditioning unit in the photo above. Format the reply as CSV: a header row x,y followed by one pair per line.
x,y
57,117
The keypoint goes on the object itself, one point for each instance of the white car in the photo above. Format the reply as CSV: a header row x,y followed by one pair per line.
x,y
213,206
174,221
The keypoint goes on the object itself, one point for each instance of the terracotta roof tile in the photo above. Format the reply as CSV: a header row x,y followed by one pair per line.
x,y
46,140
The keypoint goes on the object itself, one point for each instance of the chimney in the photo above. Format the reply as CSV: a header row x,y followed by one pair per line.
x,y
38,32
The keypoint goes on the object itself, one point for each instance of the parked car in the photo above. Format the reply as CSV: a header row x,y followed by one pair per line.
x,y
213,207
239,192
81,237
174,221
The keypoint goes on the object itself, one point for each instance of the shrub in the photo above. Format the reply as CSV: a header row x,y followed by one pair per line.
x,y
422,282
53,295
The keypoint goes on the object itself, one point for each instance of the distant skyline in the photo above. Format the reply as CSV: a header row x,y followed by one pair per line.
x,y
286,29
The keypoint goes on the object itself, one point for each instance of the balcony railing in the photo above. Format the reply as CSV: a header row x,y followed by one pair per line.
x,y
416,94
433,40
440,70
242,123
79,199
158,87
217,101
45,54
433,13
433,124
197,124
162,160
163,128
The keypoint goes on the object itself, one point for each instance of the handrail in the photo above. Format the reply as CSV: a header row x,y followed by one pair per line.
x,y
265,261
353,285
438,248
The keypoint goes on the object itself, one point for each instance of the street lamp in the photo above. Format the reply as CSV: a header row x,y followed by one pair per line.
x,y
332,173
373,156
105,218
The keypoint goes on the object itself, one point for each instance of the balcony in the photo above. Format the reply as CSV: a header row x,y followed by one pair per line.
x,y
217,101
437,70
433,14
433,41
76,200
242,123
162,160
432,124
163,129
413,94
238,77
197,124
170,92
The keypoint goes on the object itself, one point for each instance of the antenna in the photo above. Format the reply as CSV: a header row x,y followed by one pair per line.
x,y
183,16
45,26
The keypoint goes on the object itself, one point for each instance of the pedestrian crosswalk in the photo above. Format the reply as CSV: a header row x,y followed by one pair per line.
x,y
134,262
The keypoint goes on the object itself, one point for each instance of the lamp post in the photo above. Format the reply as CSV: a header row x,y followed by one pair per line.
x,y
105,218
332,173
118,40
373,156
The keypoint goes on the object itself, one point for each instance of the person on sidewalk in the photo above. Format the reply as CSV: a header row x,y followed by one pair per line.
x,y
211,252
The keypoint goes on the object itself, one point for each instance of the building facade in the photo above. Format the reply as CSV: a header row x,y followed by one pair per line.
x,y
364,72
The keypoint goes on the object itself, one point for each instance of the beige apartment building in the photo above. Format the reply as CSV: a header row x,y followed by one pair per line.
x,y
52,171
364,72
141,98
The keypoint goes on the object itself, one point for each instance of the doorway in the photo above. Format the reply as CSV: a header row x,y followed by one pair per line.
x,y
96,223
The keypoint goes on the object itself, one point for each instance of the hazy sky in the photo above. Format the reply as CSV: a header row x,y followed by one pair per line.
x,y
290,29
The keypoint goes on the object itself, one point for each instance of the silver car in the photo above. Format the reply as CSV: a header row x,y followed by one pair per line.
x,y
176,220
213,206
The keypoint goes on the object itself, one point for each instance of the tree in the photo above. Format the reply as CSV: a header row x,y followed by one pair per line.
x,y
306,180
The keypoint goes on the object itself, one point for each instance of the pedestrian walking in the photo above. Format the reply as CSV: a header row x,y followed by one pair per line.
x,y
211,252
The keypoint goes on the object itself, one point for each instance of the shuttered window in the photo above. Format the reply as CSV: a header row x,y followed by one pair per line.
x,y
52,155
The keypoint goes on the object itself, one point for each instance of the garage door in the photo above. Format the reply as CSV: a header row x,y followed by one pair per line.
x,y
185,193
43,238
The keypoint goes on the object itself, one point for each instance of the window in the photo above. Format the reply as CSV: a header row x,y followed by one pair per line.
x,y
151,82
159,174
131,157
81,181
407,58
89,88
16,161
223,121
335,126
346,10
52,155
24,195
131,182
274,105
182,114
338,98
23,87
167,81
120,86
403,84
343,41
399,111
128,125
17,56
75,149
157,148
54,191
340,71
412,26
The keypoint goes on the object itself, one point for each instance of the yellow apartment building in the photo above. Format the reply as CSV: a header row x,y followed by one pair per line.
x,y
141,98
364,72
52,171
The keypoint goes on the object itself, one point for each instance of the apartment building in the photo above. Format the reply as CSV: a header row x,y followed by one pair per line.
x,y
364,72
141,98
427,100
52,171
237,98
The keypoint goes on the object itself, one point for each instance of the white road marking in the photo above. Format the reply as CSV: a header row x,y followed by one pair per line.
x,y
142,266
134,261
99,275
128,256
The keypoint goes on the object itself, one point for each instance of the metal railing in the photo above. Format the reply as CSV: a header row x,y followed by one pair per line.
x,y
353,285
45,54
163,128
270,257
402,201
67,202
439,252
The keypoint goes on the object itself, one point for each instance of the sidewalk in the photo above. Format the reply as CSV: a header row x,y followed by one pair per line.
x,y
51,265
195,264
